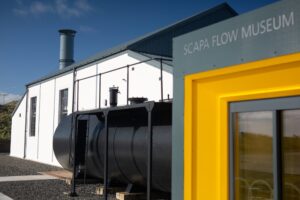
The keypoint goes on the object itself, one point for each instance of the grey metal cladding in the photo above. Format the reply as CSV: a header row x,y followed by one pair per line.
x,y
178,112
284,41
263,33
158,42
177,139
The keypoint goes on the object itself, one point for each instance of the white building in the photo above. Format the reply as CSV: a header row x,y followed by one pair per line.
x,y
135,68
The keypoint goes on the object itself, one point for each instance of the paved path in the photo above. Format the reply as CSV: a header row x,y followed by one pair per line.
x,y
4,197
26,178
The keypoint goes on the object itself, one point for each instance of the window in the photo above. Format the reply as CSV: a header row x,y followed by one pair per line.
x,y
253,155
265,149
32,116
290,146
63,104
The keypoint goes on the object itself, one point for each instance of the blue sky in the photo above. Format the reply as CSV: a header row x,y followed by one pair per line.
x,y
29,41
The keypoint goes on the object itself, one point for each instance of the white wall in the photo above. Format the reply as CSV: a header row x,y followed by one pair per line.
x,y
46,126
32,141
143,78
144,81
62,82
40,147
17,130
87,88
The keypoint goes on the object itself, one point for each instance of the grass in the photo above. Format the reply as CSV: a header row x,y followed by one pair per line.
x,y
5,119
262,144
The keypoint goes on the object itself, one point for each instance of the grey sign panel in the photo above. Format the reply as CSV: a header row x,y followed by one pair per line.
x,y
263,33
266,32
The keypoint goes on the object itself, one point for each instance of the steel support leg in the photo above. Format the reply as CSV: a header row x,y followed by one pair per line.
x,y
161,82
73,182
149,152
105,155
127,85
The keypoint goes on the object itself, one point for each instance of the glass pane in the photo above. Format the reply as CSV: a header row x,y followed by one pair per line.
x,y
63,110
291,154
32,116
64,100
253,155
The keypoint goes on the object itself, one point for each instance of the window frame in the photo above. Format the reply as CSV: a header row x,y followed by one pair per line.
x,y
276,106
62,113
32,122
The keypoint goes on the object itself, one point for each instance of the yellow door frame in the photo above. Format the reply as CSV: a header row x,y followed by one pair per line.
x,y
207,95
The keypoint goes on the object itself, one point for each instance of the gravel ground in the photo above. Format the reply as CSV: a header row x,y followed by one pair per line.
x,y
50,189
10,166
42,189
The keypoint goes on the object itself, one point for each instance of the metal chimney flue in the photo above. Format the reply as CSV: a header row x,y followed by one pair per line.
x,y
66,47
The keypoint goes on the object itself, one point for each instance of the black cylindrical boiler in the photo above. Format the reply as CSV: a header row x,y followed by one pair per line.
x,y
127,148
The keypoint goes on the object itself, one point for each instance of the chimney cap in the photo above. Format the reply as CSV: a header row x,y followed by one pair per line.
x,y
67,31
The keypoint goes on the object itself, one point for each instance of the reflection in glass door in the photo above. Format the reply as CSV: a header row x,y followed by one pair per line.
x,y
265,149
253,155
291,154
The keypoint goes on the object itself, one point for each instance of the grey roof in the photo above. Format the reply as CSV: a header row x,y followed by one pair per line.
x,y
158,42
165,59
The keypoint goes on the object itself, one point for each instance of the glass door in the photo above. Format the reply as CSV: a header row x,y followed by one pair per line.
x,y
265,149
291,154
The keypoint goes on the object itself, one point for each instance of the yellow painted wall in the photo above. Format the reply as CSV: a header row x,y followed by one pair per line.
x,y
207,95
